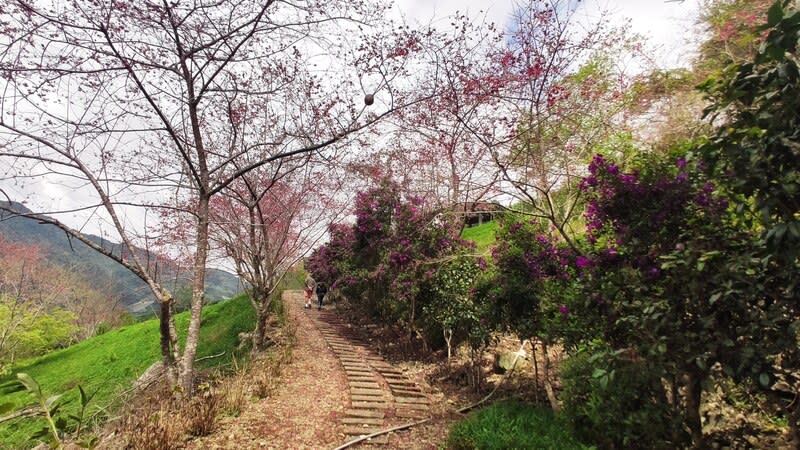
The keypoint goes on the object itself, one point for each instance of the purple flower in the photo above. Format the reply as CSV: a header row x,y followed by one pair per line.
x,y
681,163
583,262
613,169
629,179
481,263
563,309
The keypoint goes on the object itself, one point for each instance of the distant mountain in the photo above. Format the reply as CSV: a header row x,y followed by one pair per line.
x,y
106,274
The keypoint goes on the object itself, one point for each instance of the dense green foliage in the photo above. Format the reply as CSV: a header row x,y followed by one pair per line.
x,y
614,399
109,363
512,424
386,261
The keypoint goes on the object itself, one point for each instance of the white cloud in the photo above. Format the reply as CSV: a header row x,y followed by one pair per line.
x,y
669,26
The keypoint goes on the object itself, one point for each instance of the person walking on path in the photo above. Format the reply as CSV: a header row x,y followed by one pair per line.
x,y
321,291
309,290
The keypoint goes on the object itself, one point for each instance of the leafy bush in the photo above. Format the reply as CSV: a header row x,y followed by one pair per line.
x,y
512,424
613,399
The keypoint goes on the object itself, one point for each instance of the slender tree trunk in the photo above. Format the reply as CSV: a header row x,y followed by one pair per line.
x,y
262,316
548,385
694,392
535,371
167,355
198,295
411,319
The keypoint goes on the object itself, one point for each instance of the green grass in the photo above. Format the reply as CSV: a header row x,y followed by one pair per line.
x,y
109,363
482,235
512,424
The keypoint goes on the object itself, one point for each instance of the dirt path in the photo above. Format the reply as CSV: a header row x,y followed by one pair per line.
x,y
303,413
334,389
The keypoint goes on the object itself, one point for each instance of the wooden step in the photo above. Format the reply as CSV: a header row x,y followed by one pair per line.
x,y
412,413
362,421
412,406
420,400
372,392
374,405
364,413
364,384
367,398
408,392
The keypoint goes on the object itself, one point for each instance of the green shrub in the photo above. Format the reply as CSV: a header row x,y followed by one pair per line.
x,y
512,424
612,399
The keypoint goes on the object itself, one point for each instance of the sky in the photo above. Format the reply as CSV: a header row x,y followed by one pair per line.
x,y
668,25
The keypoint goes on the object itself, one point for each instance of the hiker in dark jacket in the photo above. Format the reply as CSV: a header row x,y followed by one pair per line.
x,y
322,289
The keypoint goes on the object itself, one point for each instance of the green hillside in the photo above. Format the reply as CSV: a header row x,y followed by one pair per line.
x,y
482,235
109,363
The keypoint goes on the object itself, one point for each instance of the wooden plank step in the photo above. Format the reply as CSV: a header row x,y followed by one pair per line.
x,y
412,406
372,392
356,367
364,384
375,405
408,392
364,413
367,398
362,421
362,379
369,376
420,400
411,413
358,371
389,373
399,381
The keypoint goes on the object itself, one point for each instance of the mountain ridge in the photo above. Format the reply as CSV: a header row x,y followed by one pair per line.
x,y
106,274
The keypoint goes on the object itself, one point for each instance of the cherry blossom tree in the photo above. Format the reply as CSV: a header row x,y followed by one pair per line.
x,y
165,99
268,220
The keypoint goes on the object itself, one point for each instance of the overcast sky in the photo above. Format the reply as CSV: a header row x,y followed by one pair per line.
x,y
668,25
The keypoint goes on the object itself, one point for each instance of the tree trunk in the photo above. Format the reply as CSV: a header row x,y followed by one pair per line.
x,y
167,355
694,392
535,371
198,295
548,386
260,333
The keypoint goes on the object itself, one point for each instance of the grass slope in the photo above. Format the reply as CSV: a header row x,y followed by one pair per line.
x,y
109,363
482,235
512,424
